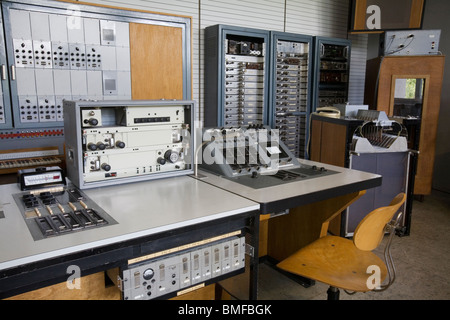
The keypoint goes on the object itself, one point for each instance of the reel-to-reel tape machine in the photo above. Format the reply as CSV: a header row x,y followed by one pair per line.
x,y
112,142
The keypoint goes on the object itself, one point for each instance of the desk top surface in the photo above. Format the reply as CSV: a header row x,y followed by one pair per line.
x,y
149,207
141,209
299,192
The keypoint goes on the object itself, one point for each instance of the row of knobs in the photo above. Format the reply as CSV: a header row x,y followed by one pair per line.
x,y
102,146
169,155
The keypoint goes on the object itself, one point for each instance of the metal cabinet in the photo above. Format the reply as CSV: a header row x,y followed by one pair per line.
x,y
331,71
255,76
236,76
290,89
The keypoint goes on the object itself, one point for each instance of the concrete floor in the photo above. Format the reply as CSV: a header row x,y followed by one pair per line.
x,y
422,261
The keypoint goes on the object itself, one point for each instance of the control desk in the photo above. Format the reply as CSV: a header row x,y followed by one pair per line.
x,y
170,234
254,163
145,218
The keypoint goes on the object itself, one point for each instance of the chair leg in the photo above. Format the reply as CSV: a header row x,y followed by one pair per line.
x,y
333,293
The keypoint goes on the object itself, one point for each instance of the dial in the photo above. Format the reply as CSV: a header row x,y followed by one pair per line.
x,y
171,156
148,274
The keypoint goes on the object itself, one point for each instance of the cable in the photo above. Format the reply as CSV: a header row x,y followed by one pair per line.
x,y
404,47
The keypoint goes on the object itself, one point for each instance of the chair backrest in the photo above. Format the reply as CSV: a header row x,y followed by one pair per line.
x,y
370,230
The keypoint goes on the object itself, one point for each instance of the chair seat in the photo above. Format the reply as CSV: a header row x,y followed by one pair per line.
x,y
335,261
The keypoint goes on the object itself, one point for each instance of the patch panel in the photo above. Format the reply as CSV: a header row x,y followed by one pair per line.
x,y
170,273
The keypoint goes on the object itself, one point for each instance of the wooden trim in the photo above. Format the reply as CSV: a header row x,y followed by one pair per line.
x,y
409,76
415,18
359,18
123,8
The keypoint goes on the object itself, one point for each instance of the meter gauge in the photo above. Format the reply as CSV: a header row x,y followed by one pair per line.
x,y
42,177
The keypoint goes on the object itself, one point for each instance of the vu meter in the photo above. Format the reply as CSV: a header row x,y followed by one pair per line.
x,y
42,177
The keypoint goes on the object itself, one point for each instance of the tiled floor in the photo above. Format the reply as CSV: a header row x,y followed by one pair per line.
x,y
422,260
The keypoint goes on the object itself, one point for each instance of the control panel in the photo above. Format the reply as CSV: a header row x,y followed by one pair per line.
x,y
178,269
253,156
51,208
112,142
242,151
410,42
59,54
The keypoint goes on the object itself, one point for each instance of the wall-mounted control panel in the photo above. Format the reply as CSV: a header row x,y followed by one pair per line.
x,y
112,142
157,275
61,53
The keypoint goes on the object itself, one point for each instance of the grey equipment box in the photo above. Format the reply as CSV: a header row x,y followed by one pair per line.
x,y
114,142
410,43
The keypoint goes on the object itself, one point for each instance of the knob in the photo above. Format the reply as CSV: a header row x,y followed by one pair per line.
x,y
106,167
101,146
161,160
92,146
148,274
120,144
171,156
91,121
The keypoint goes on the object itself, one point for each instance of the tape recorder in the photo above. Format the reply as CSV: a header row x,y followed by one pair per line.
x,y
113,142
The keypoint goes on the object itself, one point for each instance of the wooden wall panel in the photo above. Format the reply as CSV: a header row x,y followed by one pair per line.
x,y
328,142
156,56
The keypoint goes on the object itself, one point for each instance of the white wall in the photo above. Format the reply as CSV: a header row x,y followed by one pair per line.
x,y
311,17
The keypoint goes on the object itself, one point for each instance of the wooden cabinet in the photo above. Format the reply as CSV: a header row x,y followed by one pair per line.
x,y
382,74
331,139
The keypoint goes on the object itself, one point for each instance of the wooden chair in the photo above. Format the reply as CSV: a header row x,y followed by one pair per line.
x,y
350,265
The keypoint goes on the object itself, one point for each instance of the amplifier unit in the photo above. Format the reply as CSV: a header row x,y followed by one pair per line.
x,y
113,142
409,42
183,268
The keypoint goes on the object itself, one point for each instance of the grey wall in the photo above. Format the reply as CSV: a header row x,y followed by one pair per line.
x,y
437,17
